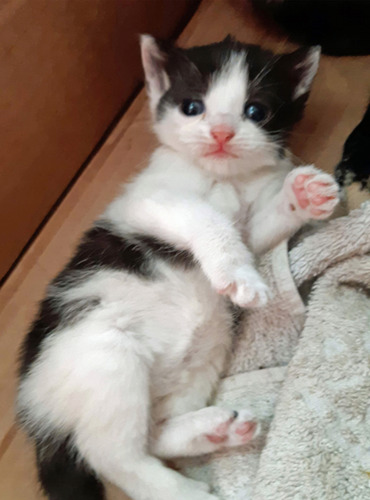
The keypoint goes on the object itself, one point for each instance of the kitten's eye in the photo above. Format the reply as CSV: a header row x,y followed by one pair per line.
x,y
192,108
255,112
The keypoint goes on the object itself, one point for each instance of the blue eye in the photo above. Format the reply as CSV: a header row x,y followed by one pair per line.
x,y
255,112
192,108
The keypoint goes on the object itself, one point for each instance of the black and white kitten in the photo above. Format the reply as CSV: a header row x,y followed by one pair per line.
x,y
133,335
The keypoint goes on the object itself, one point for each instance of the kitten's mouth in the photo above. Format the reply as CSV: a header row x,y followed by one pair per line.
x,y
221,153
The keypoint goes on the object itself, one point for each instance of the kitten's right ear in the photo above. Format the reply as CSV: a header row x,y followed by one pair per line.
x,y
302,67
154,59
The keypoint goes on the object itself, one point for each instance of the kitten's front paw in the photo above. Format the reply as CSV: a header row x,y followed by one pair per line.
x,y
312,194
246,288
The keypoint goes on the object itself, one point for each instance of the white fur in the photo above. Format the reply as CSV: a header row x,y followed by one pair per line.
x,y
310,66
152,60
224,102
153,350
227,92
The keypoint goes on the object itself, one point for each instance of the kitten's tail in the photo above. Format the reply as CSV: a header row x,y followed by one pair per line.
x,y
63,476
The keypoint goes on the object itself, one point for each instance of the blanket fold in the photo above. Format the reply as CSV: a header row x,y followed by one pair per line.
x,y
318,446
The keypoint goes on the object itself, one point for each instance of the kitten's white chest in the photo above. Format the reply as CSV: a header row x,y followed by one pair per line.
x,y
224,198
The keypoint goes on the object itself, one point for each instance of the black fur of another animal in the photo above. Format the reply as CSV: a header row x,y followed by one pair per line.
x,y
341,27
355,163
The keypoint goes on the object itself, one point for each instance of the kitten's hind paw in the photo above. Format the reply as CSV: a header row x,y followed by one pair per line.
x,y
235,431
244,429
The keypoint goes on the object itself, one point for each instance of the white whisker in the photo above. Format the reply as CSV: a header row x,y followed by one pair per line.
x,y
265,71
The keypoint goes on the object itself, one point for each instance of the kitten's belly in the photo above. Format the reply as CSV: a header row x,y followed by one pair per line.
x,y
186,325
180,323
196,323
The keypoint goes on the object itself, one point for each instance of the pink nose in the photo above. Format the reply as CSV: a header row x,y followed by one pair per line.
x,y
222,134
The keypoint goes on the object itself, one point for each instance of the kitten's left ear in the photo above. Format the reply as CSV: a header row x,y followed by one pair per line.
x,y
302,66
154,59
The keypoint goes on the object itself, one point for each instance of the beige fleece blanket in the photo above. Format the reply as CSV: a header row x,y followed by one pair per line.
x,y
318,446
319,443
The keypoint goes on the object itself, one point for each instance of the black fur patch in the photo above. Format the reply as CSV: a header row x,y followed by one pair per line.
x,y
355,163
100,248
275,79
160,249
51,316
63,475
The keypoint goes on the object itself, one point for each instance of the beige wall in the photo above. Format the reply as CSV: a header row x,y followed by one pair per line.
x,y
66,69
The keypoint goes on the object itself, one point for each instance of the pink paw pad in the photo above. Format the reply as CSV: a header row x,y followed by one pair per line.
x,y
315,193
245,428
221,432
245,432
248,290
238,430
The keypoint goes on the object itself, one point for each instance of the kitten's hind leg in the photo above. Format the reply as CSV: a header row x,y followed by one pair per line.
x,y
111,433
203,431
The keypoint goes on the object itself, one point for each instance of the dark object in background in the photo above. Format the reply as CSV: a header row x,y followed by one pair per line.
x,y
341,27
355,163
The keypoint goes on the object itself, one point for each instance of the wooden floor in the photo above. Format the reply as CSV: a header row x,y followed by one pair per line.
x,y
336,105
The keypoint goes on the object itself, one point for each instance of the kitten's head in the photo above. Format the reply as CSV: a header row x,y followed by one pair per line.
x,y
227,106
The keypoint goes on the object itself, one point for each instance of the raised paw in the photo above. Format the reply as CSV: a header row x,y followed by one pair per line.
x,y
311,193
247,288
238,429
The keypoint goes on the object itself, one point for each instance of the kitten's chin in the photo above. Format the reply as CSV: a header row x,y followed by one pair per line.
x,y
230,167
224,167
